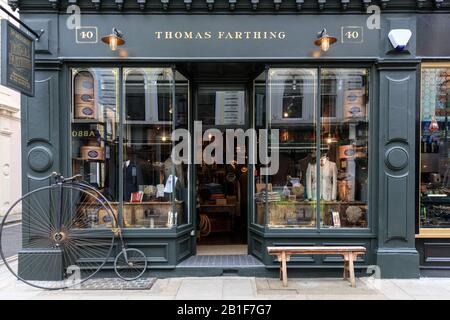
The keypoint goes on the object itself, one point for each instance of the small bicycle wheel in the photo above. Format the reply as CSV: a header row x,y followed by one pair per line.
x,y
64,238
130,264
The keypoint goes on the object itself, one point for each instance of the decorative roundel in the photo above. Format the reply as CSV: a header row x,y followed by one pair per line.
x,y
397,158
87,111
349,152
86,98
40,159
93,154
355,110
352,97
87,84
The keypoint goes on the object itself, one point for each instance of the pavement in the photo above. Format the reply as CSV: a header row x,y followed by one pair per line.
x,y
244,288
12,218
237,288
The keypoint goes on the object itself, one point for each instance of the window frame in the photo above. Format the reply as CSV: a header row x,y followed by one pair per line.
x,y
373,119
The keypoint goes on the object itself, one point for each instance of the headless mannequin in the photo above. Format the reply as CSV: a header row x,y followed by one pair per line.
x,y
328,180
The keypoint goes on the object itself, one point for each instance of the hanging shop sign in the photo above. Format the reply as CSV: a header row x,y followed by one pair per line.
x,y
17,59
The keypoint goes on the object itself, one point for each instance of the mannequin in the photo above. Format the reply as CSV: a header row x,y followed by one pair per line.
x,y
131,179
328,180
179,173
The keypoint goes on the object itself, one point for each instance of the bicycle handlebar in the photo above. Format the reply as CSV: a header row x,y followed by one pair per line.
x,y
60,178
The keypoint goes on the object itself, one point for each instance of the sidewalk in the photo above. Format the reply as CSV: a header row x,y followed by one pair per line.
x,y
247,288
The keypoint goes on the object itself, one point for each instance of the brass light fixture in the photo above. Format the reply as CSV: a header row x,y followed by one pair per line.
x,y
114,39
324,40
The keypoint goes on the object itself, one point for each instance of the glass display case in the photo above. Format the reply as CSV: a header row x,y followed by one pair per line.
x,y
321,133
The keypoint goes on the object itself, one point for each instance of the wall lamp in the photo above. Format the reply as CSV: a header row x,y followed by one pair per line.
x,y
324,40
114,39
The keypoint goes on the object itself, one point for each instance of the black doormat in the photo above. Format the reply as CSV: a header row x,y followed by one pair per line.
x,y
116,284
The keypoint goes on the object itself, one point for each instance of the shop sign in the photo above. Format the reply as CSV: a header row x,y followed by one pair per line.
x,y
17,59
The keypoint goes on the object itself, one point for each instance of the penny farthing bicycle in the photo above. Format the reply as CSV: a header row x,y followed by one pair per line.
x,y
66,237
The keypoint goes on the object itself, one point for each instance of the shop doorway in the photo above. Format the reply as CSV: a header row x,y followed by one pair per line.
x,y
222,97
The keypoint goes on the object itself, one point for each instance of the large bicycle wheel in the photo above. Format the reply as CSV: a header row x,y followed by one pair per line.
x,y
64,238
130,264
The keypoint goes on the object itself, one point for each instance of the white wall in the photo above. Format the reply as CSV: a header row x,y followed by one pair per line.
x,y
10,158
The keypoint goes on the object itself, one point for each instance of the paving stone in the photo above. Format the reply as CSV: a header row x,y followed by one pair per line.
x,y
237,287
200,288
275,292
262,283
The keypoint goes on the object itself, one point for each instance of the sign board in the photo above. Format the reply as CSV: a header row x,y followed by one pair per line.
x,y
17,59
230,108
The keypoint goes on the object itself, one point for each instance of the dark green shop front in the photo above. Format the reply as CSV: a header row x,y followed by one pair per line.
x,y
347,115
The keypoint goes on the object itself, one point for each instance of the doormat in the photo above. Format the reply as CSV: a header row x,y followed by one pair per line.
x,y
117,284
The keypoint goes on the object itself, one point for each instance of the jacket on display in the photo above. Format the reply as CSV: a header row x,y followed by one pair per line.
x,y
328,180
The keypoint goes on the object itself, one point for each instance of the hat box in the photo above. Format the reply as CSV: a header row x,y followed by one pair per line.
x,y
92,153
84,98
354,103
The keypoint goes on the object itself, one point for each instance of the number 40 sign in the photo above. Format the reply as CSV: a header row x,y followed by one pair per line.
x,y
86,34
352,34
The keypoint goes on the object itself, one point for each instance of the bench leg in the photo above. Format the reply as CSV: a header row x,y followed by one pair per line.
x,y
352,271
283,269
345,270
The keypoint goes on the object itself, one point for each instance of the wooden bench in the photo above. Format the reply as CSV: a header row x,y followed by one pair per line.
x,y
350,254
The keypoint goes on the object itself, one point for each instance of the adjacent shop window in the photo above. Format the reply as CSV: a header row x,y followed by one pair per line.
x,y
323,176
95,123
434,148
153,189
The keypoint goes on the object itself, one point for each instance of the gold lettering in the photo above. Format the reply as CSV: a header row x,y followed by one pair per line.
x,y
190,35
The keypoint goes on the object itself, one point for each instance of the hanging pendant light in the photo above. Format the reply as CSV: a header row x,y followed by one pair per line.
x,y
114,39
434,125
324,41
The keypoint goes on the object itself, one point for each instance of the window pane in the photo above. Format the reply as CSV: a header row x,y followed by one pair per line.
x,y
95,122
344,149
434,157
182,170
150,179
291,110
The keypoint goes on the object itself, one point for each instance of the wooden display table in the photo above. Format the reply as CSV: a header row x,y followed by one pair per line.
x,y
350,253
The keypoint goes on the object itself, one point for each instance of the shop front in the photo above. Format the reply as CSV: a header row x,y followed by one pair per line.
x,y
336,120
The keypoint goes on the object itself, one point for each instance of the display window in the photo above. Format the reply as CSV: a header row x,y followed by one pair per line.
x,y
127,155
322,118
434,211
